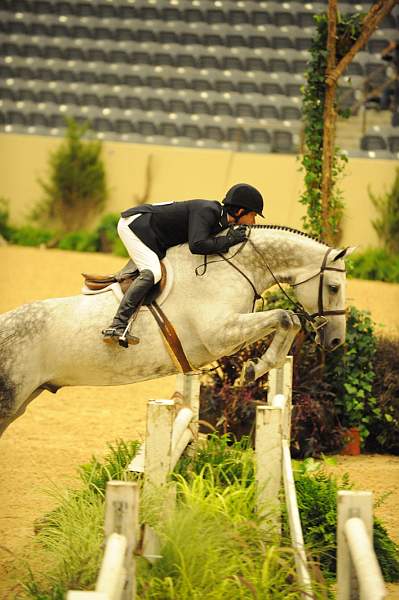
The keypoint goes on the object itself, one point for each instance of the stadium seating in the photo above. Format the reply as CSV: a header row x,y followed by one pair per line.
x,y
219,74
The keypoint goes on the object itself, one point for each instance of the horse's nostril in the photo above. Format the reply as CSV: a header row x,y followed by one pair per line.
x,y
335,343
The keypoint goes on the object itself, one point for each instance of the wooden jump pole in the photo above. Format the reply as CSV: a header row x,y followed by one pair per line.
x,y
358,572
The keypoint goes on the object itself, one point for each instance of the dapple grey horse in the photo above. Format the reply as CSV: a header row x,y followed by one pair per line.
x,y
57,342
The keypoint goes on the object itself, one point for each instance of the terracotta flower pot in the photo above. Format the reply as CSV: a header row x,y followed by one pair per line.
x,y
352,442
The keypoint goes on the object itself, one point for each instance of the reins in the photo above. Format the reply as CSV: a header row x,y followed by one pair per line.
x,y
316,319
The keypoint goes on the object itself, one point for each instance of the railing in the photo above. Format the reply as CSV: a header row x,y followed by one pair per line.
x,y
358,572
273,458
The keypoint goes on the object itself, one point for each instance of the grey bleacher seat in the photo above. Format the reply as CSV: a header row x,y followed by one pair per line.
x,y
124,126
255,63
282,37
303,39
259,140
222,108
266,110
283,141
283,15
233,62
271,88
290,113
209,61
238,16
51,96
168,129
191,131
279,64
200,107
125,34
245,109
178,105
305,18
215,15
261,16
373,142
9,94
194,14
380,40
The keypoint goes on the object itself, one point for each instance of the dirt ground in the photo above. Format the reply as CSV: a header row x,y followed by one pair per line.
x,y
59,432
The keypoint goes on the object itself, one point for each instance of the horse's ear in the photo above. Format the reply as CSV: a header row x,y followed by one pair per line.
x,y
342,254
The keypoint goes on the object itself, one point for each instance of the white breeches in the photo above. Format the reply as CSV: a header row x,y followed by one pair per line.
x,y
143,256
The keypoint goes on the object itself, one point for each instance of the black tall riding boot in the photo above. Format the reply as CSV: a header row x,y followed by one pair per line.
x,y
129,303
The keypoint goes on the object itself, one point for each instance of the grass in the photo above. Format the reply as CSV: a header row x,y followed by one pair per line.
x,y
214,543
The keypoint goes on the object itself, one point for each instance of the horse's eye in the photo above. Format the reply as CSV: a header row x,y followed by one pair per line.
x,y
333,288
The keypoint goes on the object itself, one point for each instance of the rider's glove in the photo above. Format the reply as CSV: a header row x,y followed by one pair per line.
x,y
237,235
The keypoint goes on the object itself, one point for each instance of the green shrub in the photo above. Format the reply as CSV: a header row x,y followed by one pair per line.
x,y
384,429
374,264
6,230
387,223
317,503
76,187
215,525
31,236
331,391
350,368
108,235
81,241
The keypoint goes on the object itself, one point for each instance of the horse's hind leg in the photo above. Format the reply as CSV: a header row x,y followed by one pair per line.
x,y
7,420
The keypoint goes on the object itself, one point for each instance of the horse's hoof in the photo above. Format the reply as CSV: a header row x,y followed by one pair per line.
x,y
247,373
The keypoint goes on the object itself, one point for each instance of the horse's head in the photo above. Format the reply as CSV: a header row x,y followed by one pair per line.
x,y
322,293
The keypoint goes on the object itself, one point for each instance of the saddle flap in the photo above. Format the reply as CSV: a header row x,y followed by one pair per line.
x,y
99,282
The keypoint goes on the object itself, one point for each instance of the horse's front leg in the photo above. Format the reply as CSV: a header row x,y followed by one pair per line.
x,y
274,356
246,329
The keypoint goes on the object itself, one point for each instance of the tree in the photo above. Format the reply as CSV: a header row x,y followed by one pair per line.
x,y
76,188
343,38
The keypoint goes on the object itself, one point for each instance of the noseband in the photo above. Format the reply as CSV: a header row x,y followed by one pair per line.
x,y
318,318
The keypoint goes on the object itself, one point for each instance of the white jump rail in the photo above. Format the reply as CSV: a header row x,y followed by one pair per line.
x,y
171,425
117,577
359,575
273,464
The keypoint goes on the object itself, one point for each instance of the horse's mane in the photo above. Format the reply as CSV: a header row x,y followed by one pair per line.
x,y
289,229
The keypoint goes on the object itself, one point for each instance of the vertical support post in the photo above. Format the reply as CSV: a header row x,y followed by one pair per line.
x,y
122,516
268,452
280,384
350,504
280,380
189,388
158,444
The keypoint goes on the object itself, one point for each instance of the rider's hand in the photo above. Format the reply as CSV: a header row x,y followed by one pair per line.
x,y
237,235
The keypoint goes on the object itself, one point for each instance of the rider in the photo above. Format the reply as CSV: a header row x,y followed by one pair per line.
x,y
148,230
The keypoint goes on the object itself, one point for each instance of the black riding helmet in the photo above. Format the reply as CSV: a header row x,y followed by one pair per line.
x,y
243,195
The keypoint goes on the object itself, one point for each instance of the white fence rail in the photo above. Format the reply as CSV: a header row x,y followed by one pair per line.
x,y
358,572
273,463
117,577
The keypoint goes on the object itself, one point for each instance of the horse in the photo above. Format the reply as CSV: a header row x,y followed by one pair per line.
x,y
57,342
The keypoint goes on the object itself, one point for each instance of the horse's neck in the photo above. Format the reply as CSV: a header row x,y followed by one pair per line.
x,y
286,252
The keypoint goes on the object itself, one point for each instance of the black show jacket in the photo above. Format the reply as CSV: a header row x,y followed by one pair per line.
x,y
168,224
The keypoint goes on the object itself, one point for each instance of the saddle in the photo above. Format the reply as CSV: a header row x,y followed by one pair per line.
x,y
125,277
96,283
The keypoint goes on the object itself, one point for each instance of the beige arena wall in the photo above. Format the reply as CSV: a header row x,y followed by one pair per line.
x,y
185,173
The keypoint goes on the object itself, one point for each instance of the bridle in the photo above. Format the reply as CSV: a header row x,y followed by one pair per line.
x,y
316,320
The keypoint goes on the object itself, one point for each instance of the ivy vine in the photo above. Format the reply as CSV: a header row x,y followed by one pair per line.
x,y
348,30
